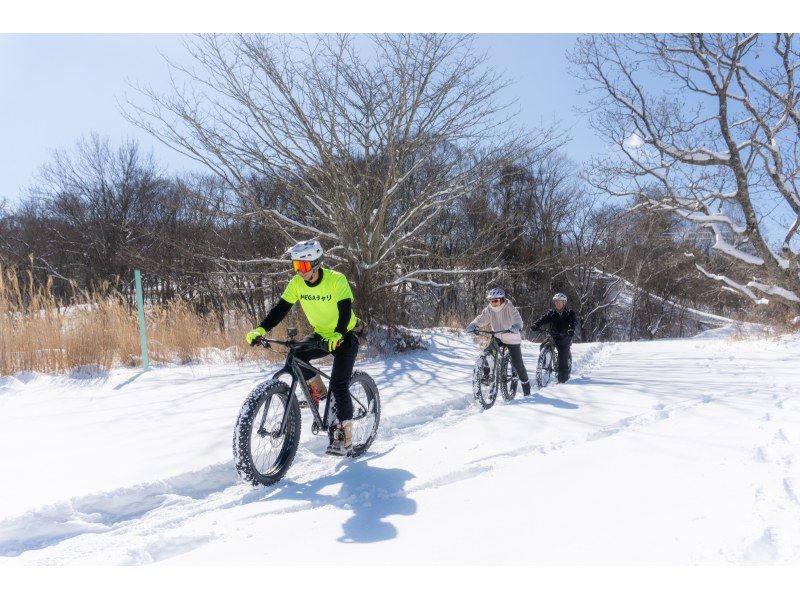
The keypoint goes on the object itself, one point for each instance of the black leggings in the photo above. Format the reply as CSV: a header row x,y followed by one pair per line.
x,y
564,355
563,345
344,357
516,359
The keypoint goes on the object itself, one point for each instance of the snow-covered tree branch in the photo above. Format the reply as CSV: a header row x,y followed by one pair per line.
x,y
715,141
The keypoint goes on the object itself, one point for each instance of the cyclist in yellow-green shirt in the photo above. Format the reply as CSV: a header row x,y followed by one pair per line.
x,y
326,299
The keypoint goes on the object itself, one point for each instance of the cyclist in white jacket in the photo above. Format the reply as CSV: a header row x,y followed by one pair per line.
x,y
501,314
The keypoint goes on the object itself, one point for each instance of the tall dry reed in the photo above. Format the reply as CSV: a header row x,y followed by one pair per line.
x,y
98,329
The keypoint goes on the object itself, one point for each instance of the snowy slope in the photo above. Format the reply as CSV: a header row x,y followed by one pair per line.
x,y
667,452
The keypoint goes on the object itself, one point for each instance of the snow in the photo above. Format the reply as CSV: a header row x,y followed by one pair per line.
x,y
663,452
696,155
720,244
633,141
715,218
782,262
771,289
733,286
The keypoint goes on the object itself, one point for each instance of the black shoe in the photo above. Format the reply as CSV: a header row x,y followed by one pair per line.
x,y
526,388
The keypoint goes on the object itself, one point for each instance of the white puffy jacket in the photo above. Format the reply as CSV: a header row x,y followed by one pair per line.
x,y
500,318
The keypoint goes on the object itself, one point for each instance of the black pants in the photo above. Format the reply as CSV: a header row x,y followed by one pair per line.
x,y
516,360
344,357
563,345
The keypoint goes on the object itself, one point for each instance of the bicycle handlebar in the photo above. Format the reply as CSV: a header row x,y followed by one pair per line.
x,y
264,342
492,332
550,332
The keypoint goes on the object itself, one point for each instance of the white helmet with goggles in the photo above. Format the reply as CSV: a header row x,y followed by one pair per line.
x,y
306,256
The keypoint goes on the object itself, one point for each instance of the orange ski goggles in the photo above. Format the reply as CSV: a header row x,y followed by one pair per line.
x,y
302,266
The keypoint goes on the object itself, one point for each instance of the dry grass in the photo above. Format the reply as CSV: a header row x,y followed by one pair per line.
x,y
99,330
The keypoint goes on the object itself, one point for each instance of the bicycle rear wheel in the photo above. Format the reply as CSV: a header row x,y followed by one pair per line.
x,y
484,388
261,454
366,411
509,379
544,367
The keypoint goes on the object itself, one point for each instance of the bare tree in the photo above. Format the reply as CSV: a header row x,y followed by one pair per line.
x,y
95,205
588,265
370,146
712,123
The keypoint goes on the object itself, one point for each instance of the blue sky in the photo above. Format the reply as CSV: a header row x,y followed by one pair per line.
x,y
55,88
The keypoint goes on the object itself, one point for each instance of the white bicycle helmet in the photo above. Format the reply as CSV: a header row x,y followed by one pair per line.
x,y
560,297
496,293
310,251
306,256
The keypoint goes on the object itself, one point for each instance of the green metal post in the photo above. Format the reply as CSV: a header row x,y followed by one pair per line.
x,y
142,329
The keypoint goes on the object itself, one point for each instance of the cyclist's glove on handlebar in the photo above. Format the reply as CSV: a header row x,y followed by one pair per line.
x,y
332,341
254,335
471,328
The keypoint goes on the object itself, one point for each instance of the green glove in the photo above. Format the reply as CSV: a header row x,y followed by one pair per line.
x,y
333,341
254,334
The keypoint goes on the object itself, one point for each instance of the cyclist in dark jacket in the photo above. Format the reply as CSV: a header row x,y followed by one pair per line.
x,y
563,323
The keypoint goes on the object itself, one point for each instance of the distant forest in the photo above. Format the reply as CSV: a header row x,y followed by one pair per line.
x,y
402,165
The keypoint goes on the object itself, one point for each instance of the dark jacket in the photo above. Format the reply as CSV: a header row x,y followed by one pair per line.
x,y
564,323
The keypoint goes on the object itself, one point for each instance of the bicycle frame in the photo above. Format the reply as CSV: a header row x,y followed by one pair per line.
x,y
549,344
500,348
292,368
500,351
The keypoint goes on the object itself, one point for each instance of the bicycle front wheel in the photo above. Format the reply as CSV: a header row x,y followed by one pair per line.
x,y
509,379
484,387
366,411
261,453
544,368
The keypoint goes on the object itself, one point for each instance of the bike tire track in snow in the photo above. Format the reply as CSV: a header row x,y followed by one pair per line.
x,y
168,502
151,522
114,510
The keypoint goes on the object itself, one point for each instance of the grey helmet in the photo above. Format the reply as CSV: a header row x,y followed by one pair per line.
x,y
560,297
496,293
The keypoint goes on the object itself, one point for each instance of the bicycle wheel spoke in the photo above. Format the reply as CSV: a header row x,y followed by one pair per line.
x,y
264,448
366,413
361,419
485,379
360,400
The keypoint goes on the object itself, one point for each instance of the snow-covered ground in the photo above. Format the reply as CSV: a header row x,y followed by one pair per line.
x,y
666,452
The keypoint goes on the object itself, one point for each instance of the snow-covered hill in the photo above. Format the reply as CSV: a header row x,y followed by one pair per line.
x,y
667,452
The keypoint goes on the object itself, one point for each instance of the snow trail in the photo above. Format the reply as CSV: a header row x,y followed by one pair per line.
x,y
662,452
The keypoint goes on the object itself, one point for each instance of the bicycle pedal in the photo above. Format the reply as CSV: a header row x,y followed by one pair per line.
x,y
303,403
